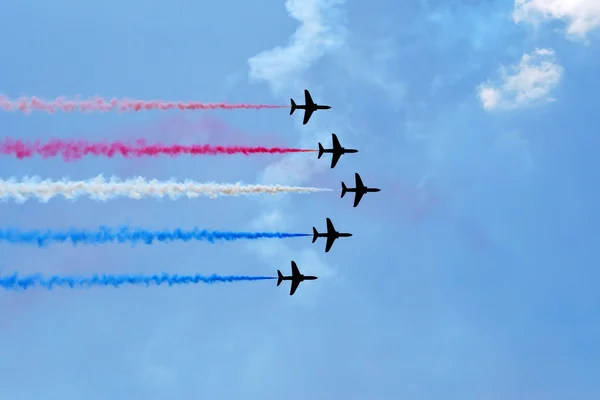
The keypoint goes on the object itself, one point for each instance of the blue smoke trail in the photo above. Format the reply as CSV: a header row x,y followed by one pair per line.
x,y
15,283
124,234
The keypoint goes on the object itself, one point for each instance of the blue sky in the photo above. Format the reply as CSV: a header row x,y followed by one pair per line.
x,y
472,275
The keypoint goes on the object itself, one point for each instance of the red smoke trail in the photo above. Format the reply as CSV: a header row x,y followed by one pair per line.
x,y
75,149
28,104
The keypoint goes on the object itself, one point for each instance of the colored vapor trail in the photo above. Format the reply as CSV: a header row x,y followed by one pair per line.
x,y
75,149
29,104
101,189
134,236
15,282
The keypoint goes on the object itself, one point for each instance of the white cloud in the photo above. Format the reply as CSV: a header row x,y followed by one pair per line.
x,y
530,82
581,16
292,170
490,96
319,32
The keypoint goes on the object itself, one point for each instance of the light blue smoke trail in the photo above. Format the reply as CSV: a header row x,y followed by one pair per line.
x,y
125,234
14,282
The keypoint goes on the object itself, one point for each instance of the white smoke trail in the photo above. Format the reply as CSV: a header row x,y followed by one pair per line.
x,y
99,188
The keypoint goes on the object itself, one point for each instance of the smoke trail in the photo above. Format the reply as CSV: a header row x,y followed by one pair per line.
x,y
14,282
101,189
134,236
28,104
76,149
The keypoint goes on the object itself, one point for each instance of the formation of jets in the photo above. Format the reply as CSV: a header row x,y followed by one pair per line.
x,y
359,191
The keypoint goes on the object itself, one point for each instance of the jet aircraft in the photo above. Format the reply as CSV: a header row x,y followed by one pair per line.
x,y
336,151
331,235
296,278
309,108
360,189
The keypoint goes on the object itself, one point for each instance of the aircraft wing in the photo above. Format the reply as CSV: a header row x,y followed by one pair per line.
x,y
330,240
335,158
294,286
357,197
308,99
307,113
359,182
330,228
295,270
335,141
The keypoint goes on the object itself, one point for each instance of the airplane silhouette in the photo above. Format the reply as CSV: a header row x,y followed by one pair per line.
x,y
296,278
337,150
331,235
360,189
309,108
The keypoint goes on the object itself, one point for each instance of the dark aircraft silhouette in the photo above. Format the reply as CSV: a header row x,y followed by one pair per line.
x,y
331,235
360,189
296,278
309,108
337,150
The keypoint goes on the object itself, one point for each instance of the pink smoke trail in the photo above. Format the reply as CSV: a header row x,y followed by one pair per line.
x,y
71,150
29,104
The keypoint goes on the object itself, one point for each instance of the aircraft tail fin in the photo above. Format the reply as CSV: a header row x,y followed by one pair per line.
x,y
315,234
321,149
279,277
293,106
344,189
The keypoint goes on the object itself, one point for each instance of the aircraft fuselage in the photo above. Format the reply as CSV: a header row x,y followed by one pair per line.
x,y
339,235
342,151
301,278
365,190
334,234
315,107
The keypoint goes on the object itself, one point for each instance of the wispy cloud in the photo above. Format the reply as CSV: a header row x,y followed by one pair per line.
x,y
528,83
320,31
374,65
581,16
